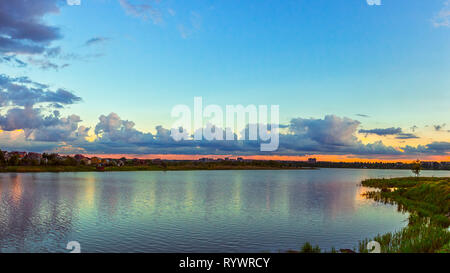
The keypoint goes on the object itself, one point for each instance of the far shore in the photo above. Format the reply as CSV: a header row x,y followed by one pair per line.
x,y
83,168
55,169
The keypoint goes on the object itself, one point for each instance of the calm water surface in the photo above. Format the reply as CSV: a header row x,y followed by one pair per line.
x,y
192,211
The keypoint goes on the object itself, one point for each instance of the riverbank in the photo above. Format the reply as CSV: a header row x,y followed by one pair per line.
x,y
81,168
427,199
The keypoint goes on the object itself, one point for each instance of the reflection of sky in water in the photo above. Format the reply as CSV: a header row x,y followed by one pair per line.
x,y
192,211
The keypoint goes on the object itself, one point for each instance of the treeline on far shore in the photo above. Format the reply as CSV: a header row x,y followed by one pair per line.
x,y
29,161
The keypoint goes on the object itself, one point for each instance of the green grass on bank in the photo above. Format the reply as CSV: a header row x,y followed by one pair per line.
x,y
418,237
427,199
425,196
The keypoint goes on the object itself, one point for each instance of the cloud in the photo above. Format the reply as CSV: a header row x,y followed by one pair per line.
x,y
73,2
26,118
112,129
363,116
434,148
406,136
46,64
373,2
439,127
382,132
12,60
39,127
171,12
19,96
25,92
397,132
95,41
331,130
22,28
442,18
23,31
330,135
144,9
195,23
62,129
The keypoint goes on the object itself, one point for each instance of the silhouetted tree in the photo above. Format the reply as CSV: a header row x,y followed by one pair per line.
x,y
416,167
2,158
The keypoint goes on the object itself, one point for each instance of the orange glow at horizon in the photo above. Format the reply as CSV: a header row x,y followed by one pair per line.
x,y
332,158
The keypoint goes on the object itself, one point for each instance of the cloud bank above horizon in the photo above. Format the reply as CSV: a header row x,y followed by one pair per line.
x,y
31,112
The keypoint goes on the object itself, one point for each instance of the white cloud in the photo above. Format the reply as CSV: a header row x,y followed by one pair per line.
x,y
442,18
73,2
373,2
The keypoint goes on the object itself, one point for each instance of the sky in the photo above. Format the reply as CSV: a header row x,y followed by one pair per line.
x,y
354,79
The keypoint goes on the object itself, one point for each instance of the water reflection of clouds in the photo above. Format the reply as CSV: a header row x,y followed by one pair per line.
x,y
27,218
41,211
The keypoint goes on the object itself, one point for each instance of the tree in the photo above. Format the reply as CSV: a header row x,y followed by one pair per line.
x,y
14,160
2,158
416,167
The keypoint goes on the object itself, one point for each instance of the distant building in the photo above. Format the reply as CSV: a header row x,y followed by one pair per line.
x,y
312,160
206,159
86,161
78,157
157,161
20,154
95,160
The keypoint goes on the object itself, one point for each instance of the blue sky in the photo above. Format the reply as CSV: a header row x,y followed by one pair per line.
x,y
313,58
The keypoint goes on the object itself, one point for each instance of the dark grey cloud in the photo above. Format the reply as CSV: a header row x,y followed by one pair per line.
x,y
406,136
46,64
62,129
26,118
112,129
331,135
30,106
363,115
41,127
434,148
95,41
12,60
22,28
439,127
25,92
382,132
331,130
397,132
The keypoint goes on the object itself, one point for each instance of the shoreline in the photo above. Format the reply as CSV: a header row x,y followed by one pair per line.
x,y
426,199
70,169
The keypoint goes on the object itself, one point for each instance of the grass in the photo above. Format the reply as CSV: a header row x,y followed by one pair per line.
x,y
419,237
427,199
